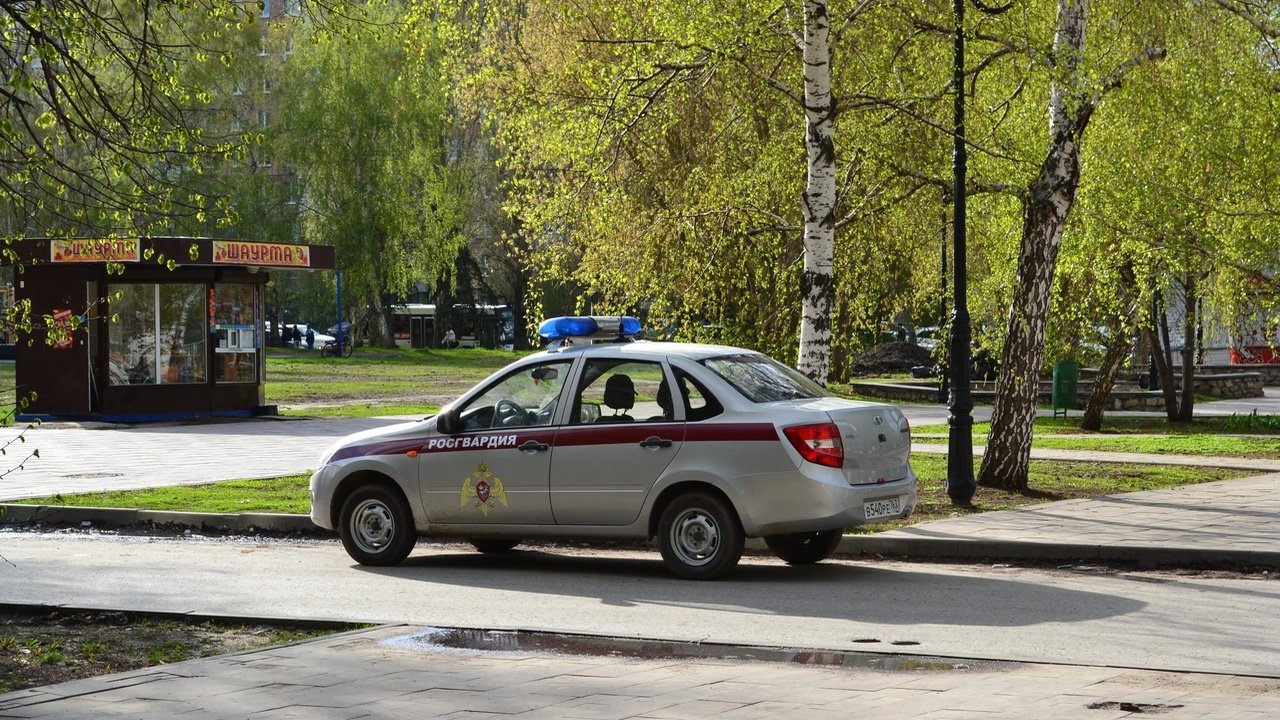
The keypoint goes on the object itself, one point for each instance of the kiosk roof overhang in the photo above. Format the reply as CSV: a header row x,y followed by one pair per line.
x,y
183,251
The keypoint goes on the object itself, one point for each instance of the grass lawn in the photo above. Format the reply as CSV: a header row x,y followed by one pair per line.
x,y
275,495
1049,481
1215,436
375,381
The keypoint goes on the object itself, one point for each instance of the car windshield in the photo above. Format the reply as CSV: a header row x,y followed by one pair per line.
x,y
762,379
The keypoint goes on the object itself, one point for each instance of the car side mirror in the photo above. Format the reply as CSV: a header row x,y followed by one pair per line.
x,y
447,422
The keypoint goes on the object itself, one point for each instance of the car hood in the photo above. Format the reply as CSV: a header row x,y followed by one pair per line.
x,y
378,435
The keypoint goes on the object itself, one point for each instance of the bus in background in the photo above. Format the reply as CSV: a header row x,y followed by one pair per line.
x,y
489,326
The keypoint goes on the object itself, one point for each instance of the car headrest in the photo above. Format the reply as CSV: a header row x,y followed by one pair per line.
x,y
619,392
664,398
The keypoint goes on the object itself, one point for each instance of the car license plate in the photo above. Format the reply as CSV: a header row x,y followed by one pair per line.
x,y
887,507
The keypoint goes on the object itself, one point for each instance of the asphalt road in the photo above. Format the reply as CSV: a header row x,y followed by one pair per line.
x,y
1077,616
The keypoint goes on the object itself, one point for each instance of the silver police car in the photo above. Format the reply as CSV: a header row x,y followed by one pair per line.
x,y
601,437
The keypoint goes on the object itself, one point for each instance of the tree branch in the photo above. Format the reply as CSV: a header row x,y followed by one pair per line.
x,y
1269,29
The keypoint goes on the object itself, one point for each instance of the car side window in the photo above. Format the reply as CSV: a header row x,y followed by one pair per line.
x,y
623,391
699,403
525,398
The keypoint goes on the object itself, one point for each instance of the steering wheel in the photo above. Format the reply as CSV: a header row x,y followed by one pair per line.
x,y
508,410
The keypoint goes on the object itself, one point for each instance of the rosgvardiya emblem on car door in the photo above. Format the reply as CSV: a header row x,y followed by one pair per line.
x,y
481,488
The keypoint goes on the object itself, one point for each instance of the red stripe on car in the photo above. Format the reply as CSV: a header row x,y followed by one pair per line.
x,y
731,432
390,447
616,433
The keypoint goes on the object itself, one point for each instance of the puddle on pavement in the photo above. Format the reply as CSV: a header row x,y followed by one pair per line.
x,y
535,642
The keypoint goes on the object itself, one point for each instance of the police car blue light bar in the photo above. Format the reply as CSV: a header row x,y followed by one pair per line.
x,y
594,326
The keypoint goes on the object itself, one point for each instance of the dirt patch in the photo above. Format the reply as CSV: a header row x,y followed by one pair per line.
x,y
45,647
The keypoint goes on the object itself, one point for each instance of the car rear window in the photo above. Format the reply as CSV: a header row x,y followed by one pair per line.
x,y
761,379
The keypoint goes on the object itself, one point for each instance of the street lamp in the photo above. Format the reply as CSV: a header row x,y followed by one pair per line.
x,y
960,482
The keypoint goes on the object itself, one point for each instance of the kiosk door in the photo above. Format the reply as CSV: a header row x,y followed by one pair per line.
x,y
57,370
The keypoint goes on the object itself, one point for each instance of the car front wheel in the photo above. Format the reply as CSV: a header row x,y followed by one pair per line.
x,y
376,526
700,537
804,548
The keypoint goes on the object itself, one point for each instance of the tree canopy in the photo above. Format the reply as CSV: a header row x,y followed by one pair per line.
x,y
365,122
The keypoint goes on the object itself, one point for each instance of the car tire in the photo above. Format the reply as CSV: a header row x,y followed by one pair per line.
x,y
376,526
700,536
493,545
804,548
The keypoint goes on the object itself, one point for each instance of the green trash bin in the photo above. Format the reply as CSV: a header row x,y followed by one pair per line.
x,y
1066,378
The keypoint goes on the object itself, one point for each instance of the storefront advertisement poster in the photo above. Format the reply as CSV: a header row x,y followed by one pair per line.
x,y
255,253
77,250
60,331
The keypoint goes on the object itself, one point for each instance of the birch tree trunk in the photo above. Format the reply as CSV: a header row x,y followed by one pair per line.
x,y
1045,211
1120,333
1160,357
1105,380
816,285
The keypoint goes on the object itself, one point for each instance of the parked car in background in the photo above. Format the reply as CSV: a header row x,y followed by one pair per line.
x,y
928,337
699,445
320,338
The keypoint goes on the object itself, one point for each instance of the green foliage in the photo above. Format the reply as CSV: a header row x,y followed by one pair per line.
x,y
367,129
170,652
1181,179
658,165
656,160
1253,422
50,655
91,649
109,142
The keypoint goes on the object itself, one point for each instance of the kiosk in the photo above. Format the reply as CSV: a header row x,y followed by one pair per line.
x,y
168,327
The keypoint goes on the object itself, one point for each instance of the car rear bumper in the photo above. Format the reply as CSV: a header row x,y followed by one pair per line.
x,y
774,504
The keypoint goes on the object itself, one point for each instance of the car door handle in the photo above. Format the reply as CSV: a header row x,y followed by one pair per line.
x,y
532,446
655,442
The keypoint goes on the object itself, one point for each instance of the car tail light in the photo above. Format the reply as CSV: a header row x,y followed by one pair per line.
x,y
819,444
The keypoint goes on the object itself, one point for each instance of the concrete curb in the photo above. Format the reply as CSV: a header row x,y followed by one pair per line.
x,y
1148,556
123,517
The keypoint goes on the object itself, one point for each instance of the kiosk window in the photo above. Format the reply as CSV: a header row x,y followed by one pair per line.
x,y
182,334
234,317
157,335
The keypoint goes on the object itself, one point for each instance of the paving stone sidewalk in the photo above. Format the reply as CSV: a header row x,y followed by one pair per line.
x,y
385,673
1234,522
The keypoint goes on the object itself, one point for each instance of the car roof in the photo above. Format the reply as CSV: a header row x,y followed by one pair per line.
x,y
692,351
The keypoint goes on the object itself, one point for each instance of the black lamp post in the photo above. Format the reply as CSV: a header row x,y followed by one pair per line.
x,y
960,482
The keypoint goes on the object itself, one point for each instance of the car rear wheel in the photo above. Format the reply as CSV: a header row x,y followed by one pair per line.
x,y
804,548
700,537
376,526
493,545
